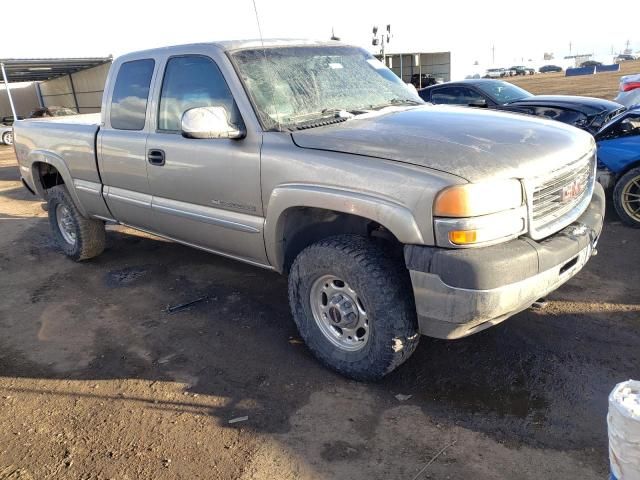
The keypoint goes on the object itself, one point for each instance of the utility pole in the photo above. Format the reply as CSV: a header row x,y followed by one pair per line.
x,y
493,55
570,46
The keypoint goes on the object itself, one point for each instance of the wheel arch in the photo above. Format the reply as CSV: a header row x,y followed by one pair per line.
x,y
628,168
49,170
298,215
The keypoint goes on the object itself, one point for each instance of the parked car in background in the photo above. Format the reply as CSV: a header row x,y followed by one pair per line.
x,y
422,80
8,121
583,112
590,63
550,69
390,216
629,95
522,70
625,57
52,112
619,164
6,134
495,73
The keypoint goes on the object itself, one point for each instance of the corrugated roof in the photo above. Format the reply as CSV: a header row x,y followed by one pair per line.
x,y
38,69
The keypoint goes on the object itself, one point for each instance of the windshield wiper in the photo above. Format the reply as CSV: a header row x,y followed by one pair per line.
x,y
396,101
327,116
319,122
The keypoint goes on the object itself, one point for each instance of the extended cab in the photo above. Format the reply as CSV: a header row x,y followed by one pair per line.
x,y
392,217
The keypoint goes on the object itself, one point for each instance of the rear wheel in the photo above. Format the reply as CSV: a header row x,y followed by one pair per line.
x,y
353,305
78,237
626,197
7,138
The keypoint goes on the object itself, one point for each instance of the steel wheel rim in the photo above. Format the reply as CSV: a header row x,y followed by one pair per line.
x,y
339,313
65,224
631,198
8,138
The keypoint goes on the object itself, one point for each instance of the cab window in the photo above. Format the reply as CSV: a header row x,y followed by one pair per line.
x,y
131,94
190,82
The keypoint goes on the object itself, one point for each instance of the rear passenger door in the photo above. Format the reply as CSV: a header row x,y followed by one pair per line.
x,y
206,192
121,144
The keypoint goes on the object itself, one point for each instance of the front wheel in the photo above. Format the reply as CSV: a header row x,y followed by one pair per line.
x,y
7,138
80,238
353,305
626,197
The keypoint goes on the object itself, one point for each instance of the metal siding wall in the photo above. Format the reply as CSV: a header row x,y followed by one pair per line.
x,y
24,97
88,84
437,64
57,93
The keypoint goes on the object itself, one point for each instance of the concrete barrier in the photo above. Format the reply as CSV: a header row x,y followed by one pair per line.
x,y
572,72
608,68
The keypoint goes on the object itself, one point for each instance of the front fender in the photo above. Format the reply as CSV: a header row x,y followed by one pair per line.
x,y
394,216
50,158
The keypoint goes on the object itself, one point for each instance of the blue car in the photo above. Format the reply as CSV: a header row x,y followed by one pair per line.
x,y
619,163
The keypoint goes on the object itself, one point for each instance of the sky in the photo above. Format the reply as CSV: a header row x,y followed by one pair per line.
x,y
518,30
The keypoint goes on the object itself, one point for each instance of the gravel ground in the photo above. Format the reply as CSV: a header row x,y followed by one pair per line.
x,y
98,380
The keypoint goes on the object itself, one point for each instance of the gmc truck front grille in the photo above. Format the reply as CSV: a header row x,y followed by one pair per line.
x,y
559,198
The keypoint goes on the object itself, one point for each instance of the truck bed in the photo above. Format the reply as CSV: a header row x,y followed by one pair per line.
x,y
71,138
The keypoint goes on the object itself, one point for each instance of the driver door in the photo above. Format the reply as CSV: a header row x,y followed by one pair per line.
x,y
205,192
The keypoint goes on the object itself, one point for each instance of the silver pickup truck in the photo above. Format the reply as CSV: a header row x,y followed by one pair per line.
x,y
391,217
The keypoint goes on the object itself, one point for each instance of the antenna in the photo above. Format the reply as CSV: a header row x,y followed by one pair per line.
x,y
255,9
264,52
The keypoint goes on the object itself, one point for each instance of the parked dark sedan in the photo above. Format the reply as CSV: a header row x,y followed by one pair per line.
x,y
550,69
584,112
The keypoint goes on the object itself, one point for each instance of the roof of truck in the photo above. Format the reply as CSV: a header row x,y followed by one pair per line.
x,y
230,45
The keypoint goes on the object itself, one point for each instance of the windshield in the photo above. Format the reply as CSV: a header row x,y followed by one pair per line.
x,y
295,86
503,92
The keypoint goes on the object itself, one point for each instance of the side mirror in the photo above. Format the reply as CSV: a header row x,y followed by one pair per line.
x,y
479,103
210,122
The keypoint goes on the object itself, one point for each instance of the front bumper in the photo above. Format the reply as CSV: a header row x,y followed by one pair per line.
x,y
463,291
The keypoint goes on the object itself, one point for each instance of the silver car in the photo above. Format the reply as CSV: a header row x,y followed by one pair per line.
x,y
6,134
629,95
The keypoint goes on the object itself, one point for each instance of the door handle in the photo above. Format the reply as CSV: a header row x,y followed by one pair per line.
x,y
156,157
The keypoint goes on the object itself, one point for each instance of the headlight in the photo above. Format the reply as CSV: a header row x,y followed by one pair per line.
x,y
475,199
478,214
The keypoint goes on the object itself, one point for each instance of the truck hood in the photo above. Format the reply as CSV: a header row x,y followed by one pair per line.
x,y
471,143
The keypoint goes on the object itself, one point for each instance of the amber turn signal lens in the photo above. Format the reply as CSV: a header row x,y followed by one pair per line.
x,y
463,237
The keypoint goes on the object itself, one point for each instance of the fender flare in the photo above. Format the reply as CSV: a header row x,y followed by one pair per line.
x,y
50,158
395,217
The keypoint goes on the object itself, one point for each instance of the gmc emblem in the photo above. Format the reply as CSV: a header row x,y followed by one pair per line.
x,y
572,191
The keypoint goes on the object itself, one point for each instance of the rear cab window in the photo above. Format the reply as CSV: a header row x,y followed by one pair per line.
x,y
131,94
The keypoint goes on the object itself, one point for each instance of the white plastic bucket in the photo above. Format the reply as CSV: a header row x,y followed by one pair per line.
x,y
624,430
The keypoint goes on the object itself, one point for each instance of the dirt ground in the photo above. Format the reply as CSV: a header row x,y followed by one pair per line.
x,y
99,381
601,85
